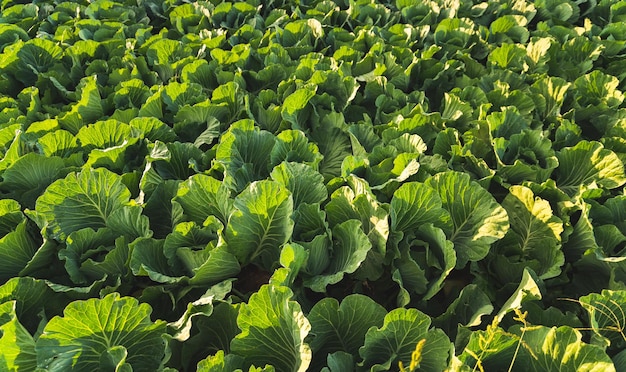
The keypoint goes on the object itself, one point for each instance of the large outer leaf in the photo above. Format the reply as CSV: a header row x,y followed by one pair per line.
x,y
80,200
607,316
550,93
339,361
177,95
261,222
130,222
492,348
588,162
35,56
597,88
343,327
58,143
104,134
202,196
273,331
29,176
163,55
91,329
534,239
294,146
17,345
294,105
415,204
31,297
560,349
153,129
619,361
10,215
395,341
477,217
303,181
17,248
87,110
335,145
14,149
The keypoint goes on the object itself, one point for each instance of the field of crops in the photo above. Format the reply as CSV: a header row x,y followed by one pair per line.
x,y
313,185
